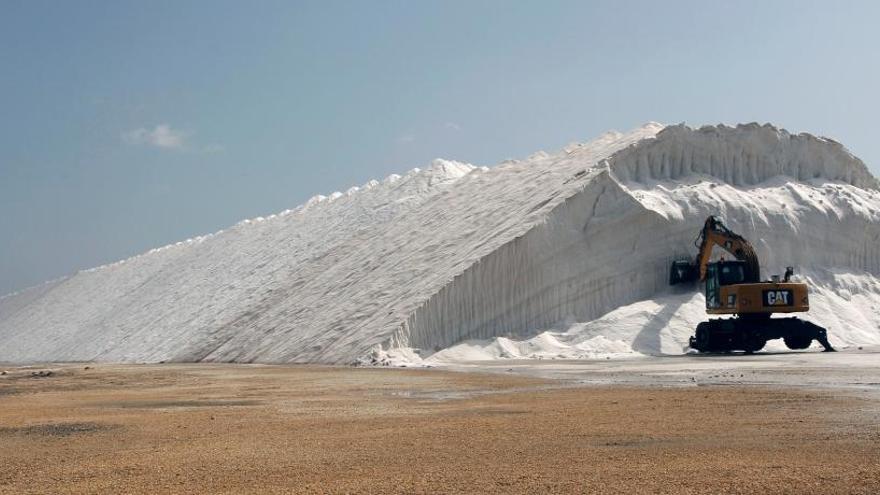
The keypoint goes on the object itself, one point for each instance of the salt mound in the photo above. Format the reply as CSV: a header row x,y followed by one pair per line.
x,y
458,262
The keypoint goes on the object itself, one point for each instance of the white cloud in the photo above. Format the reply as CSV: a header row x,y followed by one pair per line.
x,y
161,136
452,125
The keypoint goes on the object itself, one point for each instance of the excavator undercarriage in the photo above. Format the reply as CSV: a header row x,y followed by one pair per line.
x,y
751,334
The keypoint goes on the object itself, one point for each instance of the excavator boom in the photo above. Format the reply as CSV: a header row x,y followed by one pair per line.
x,y
715,233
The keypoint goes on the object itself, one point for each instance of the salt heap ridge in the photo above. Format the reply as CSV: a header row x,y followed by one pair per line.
x,y
503,259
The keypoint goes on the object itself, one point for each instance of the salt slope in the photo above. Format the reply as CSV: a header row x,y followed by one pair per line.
x,y
419,253
182,301
508,251
326,283
802,200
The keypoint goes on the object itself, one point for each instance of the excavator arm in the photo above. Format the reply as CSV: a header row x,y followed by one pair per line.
x,y
715,233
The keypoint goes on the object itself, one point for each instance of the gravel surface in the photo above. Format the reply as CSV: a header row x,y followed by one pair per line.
x,y
274,429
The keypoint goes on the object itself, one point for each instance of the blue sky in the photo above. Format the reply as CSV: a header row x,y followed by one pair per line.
x,y
130,125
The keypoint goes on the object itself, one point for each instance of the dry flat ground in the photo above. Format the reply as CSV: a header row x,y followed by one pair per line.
x,y
268,429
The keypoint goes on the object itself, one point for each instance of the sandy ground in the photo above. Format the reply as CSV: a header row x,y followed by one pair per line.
x,y
268,429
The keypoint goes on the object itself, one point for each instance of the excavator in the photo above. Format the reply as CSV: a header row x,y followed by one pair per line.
x,y
734,287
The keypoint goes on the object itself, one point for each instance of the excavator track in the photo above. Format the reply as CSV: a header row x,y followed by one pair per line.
x,y
751,334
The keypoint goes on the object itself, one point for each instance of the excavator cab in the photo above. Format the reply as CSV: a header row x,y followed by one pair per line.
x,y
730,272
721,273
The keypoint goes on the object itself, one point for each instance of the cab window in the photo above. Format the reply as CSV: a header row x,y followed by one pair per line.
x,y
712,287
731,273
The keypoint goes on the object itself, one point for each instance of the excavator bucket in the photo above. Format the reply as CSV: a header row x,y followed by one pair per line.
x,y
682,272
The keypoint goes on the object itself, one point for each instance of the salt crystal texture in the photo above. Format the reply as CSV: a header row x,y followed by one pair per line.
x,y
557,256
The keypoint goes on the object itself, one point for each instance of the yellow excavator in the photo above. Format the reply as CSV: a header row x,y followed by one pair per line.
x,y
734,287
